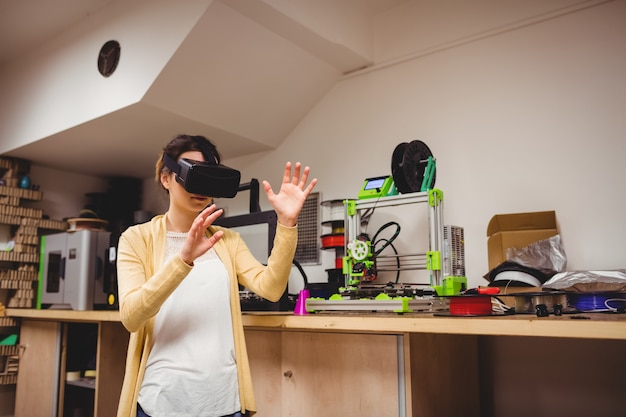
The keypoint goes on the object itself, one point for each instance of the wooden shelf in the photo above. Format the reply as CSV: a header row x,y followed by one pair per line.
x,y
65,315
89,383
24,193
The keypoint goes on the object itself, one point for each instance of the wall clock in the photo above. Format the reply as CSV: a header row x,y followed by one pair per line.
x,y
108,58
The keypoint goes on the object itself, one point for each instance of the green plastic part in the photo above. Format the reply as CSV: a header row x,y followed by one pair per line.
x,y
346,265
350,207
433,260
429,173
435,197
42,255
453,285
404,308
10,340
376,187
438,289
393,190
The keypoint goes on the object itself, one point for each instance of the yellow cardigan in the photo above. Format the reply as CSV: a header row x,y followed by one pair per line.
x,y
145,282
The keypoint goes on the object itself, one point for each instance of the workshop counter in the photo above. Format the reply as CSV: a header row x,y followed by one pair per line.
x,y
308,365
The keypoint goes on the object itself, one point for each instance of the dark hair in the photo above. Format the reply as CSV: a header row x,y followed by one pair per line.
x,y
185,143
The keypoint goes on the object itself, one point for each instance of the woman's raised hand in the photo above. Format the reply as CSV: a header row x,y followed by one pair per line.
x,y
197,242
294,190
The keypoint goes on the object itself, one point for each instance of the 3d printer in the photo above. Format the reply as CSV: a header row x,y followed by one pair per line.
x,y
412,182
71,273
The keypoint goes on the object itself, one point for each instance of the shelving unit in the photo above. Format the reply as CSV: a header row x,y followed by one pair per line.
x,y
333,222
9,353
19,259
80,341
19,266
58,341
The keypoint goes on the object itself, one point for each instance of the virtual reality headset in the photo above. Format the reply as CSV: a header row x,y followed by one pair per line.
x,y
205,178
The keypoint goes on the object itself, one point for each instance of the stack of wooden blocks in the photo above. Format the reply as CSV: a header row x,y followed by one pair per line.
x,y
19,262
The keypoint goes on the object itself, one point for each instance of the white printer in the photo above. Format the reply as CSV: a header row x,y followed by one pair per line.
x,y
71,270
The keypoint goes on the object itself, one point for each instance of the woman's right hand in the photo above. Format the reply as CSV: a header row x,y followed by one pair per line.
x,y
197,242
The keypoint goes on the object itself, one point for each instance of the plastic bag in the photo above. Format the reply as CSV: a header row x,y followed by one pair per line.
x,y
545,255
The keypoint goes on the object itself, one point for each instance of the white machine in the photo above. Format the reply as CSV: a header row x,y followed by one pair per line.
x,y
71,270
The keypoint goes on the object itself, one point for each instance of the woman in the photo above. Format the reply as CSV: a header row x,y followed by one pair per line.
x,y
178,279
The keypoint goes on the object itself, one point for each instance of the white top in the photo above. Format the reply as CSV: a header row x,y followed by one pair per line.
x,y
192,370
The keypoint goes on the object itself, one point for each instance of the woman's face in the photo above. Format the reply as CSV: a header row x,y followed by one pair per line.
x,y
180,199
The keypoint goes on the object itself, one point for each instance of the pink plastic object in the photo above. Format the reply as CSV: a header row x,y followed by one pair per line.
x,y
300,308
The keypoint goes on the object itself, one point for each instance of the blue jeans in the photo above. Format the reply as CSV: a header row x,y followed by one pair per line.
x,y
141,413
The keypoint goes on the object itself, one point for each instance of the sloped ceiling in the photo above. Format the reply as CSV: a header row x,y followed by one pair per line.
x,y
245,75
235,74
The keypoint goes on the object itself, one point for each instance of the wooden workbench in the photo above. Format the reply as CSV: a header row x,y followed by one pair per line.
x,y
415,360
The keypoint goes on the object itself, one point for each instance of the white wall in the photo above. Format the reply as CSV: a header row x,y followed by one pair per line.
x,y
527,120
64,193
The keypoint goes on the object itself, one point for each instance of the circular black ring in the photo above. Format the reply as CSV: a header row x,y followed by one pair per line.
x,y
408,164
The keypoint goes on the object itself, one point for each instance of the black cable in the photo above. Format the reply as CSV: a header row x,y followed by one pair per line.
x,y
304,277
397,258
388,241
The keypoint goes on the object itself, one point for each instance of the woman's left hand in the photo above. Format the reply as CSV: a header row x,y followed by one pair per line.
x,y
292,194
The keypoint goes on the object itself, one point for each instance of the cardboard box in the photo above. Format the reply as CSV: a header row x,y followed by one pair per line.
x,y
517,230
